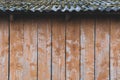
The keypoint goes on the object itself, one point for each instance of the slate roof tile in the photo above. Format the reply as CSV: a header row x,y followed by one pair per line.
x,y
60,5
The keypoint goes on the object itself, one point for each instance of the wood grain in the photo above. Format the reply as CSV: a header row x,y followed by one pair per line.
x,y
58,49
102,49
30,50
72,50
41,49
44,49
16,50
4,48
115,49
87,48
23,50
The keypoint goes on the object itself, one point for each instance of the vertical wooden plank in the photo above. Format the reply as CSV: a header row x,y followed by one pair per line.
x,y
72,49
4,48
16,50
44,49
23,50
30,49
102,49
87,48
115,49
58,49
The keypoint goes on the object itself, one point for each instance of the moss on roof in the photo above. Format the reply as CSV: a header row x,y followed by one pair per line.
x,y
60,5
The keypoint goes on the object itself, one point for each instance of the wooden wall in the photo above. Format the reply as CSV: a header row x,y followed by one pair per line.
x,y
59,48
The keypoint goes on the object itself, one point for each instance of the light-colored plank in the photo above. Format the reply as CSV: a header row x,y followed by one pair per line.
x,y
58,49
30,50
115,49
23,50
87,48
16,50
4,48
102,49
44,49
72,50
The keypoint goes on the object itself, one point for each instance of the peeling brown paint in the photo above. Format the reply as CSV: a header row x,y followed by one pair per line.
x,y
72,50
102,49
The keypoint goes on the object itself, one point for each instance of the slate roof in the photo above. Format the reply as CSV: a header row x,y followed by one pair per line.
x,y
60,5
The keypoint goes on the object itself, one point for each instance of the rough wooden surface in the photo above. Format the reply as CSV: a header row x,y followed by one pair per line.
x,y
102,49
16,50
23,50
44,49
115,49
4,48
58,49
87,48
30,50
73,50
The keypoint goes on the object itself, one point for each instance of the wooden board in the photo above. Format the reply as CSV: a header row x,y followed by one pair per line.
x,y
16,50
102,49
44,49
73,50
30,49
115,49
4,48
23,50
58,49
87,48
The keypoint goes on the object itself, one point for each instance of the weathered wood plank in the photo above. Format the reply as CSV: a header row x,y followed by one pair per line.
x,y
102,49
30,50
58,49
4,48
16,50
115,49
72,50
44,49
87,48
23,50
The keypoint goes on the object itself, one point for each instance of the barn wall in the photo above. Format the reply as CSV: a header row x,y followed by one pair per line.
x,y
59,48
